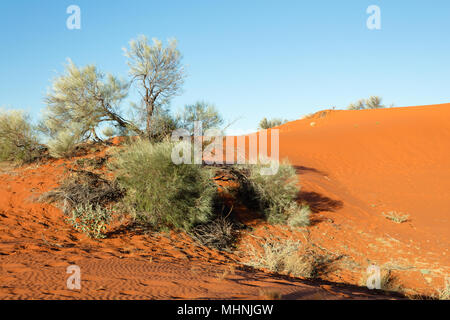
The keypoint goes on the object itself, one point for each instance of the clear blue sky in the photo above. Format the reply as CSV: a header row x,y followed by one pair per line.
x,y
253,59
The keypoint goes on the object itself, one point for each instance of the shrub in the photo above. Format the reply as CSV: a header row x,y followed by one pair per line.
x,y
298,216
83,188
63,146
218,234
267,124
18,138
91,220
373,102
274,195
161,194
288,257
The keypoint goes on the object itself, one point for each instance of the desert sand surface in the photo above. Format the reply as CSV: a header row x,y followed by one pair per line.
x,y
352,167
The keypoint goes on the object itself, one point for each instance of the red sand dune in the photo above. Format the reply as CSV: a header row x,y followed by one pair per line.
x,y
364,163
353,166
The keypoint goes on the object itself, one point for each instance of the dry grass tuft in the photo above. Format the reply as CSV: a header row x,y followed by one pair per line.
x,y
444,294
83,188
396,217
219,234
289,257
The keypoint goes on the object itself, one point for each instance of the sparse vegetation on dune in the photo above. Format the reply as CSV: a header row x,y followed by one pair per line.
x,y
373,102
18,137
397,217
274,195
288,257
92,220
270,123
444,293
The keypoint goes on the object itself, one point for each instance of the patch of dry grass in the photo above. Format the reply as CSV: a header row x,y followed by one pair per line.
x,y
397,217
289,257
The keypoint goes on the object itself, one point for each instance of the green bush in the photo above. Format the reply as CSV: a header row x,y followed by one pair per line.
x,y
18,138
91,220
274,195
161,194
63,146
270,123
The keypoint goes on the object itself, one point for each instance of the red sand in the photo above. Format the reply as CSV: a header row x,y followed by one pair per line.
x,y
353,165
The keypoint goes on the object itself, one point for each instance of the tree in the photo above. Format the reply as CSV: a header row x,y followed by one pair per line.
x,y
84,98
373,102
205,113
157,72
267,124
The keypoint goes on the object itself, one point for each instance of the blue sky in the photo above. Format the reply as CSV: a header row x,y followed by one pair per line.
x,y
252,59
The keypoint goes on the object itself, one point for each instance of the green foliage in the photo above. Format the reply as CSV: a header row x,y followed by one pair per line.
x,y
91,220
63,145
201,111
158,74
18,138
274,195
85,98
267,124
373,102
161,194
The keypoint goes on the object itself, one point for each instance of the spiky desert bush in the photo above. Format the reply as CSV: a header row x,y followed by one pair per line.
x,y
91,220
161,194
274,195
18,138
218,234
288,257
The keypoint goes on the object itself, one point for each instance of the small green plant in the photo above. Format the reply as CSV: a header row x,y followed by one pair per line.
x,y
396,217
218,234
91,220
160,193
